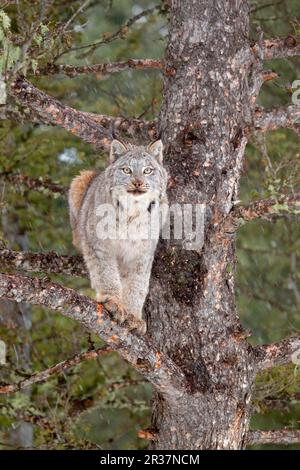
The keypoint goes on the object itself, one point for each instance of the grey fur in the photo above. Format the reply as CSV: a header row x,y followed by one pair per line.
x,y
120,268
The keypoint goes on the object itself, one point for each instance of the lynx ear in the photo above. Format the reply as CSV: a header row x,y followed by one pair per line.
x,y
156,149
116,149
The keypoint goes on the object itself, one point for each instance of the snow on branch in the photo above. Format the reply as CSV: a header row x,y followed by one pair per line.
x,y
278,436
92,128
60,367
159,369
277,354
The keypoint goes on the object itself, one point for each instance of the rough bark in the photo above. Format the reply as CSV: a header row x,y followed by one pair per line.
x,y
191,306
95,129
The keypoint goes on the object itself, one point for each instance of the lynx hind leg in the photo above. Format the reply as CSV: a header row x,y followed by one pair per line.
x,y
105,280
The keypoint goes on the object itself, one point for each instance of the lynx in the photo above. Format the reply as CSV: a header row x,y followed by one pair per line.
x,y
122,199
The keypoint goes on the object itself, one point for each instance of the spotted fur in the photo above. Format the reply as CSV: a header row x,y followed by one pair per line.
x,y
134,184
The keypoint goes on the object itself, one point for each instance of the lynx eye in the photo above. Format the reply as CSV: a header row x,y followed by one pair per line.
x,y
127,170
148,170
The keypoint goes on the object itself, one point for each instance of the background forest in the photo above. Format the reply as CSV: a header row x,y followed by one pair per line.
x,y
103,403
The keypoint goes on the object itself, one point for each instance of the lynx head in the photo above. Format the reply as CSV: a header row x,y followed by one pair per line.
x,y
137,171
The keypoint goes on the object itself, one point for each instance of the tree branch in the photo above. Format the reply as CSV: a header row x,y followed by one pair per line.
x,y
60,367
266,208
92,128
79,10
259,77
268,75
280,47
282,403
108,37
49,263
101,69
159,369
277,354
279,436
273,119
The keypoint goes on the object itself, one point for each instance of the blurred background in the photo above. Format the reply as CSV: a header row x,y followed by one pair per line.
x,y
104,403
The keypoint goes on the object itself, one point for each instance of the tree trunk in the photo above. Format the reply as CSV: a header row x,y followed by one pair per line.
x,y
191,308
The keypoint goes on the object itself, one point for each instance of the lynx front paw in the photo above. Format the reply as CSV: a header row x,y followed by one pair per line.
x,y
135,324
116,311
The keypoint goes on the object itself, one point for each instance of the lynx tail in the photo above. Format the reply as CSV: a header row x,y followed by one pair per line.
x,y
77,191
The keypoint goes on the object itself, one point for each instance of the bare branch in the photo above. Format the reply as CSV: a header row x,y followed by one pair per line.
x,y
92,128
49,110
159,369
79,10
281,403
277,354
267,208
281,47
278,436
60,367
268,75
49,263
101,69
259,77
35,184
108,37
273,119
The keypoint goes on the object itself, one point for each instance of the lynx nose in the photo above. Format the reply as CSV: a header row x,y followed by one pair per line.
x,y
137,183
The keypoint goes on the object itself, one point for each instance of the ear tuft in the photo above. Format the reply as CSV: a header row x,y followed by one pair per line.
x,y
116,149
156,149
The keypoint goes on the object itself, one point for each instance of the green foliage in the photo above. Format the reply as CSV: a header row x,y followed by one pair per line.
x,y
10,53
